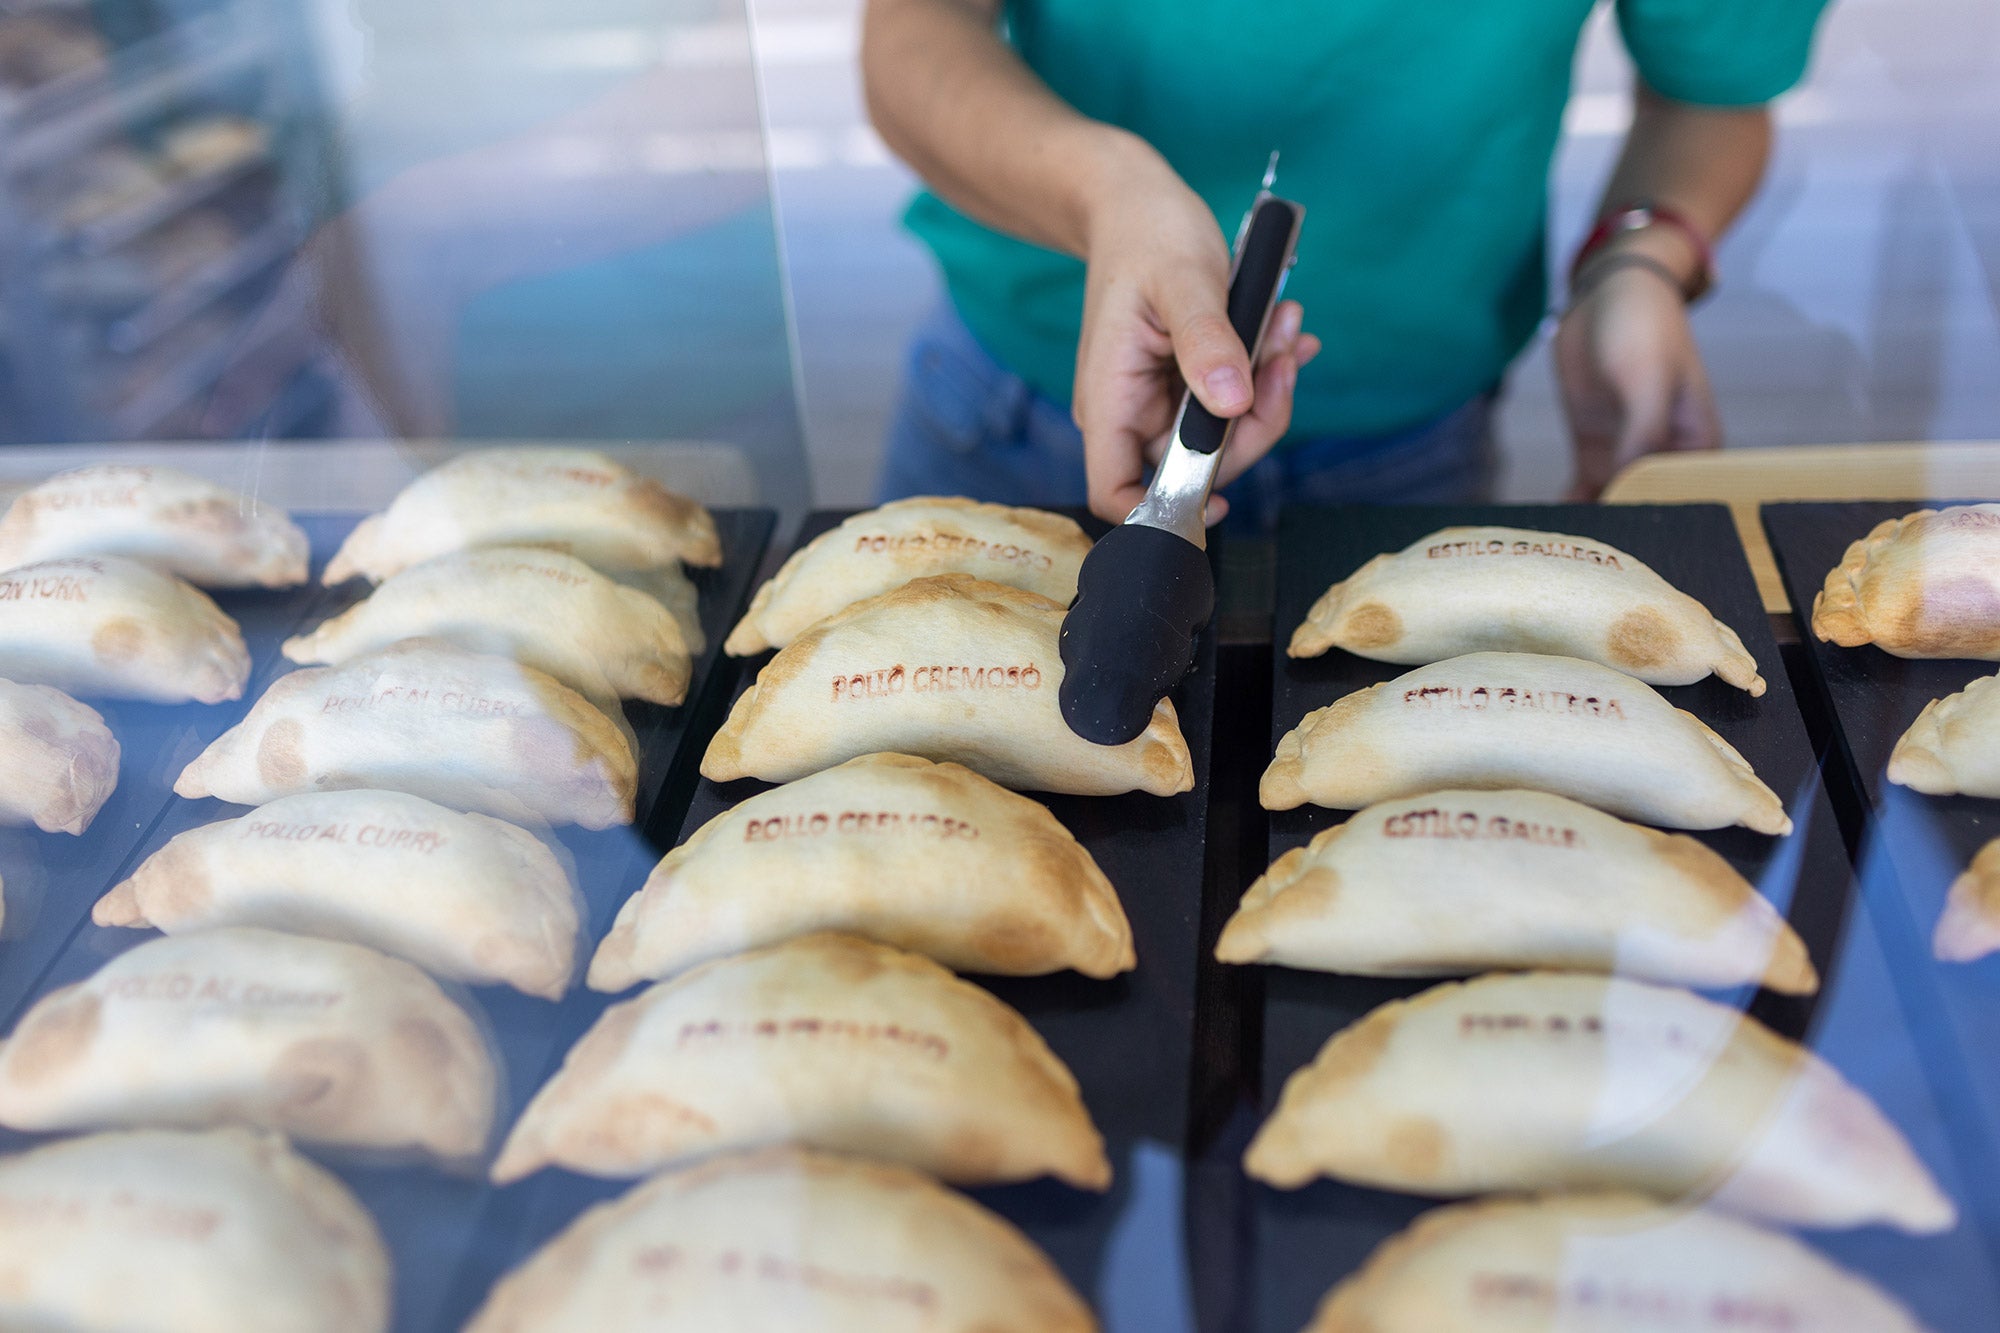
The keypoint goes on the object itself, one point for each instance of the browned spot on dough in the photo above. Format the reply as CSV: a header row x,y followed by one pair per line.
x,y
54,1036
1013,945
850,961
1722,891
1371,625
118,640
423,1043
318,1083
1957,617
1415,1148
178,889
1354,1053
281,759
1642,638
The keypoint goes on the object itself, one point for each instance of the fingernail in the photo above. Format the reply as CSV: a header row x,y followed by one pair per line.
x,y
1226,388
1290,320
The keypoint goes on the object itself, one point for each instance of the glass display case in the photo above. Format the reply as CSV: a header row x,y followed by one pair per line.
x,y
481,848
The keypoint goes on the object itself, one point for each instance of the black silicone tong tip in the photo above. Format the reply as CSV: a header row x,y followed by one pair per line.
x,y
1142,596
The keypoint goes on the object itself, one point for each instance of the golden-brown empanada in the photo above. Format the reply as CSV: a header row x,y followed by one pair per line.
x,y
1953,748
1924,585
1473,590
1600,1263
228,1231
467,730
104,625
574,500
1492,720
160,516
1463,881
786,1239
884,548
928,857
1549,1080
948,668
542,608
58,761
329,1042
829,1041
463,896
1970,926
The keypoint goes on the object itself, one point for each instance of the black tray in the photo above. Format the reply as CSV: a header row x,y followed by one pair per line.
x,y
1306,1240
430,1219
1911,846
1127,1039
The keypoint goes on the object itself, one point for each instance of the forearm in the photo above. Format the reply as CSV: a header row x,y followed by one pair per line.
x,y
956,103
1703,162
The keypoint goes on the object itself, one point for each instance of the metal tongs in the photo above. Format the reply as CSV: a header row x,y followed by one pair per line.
x,y
1145,590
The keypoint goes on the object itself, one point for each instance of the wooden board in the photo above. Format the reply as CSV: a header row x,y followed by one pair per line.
x,y
1127,1039
1304,1241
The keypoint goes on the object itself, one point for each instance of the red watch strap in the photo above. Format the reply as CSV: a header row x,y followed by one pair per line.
x,y
1632,217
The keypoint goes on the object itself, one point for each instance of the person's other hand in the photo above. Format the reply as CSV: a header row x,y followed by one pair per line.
x,y
1155,318
1632,379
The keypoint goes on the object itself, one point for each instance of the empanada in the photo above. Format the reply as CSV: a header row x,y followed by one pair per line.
x,y
574,500
948,668
1462,881
927,857
544,609
1472,590
828,1041
1549,1080
329,1042
104,625
1924,585
462,896
910,539
1491,720
467,730
1600,1263
1953,748
58,761
1970,926
161,516
157,1231
786,1239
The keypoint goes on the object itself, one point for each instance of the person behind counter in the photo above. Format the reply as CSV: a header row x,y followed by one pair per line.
x,y
1084,158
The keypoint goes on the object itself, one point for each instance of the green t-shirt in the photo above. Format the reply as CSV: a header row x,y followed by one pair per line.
x,y
1418,137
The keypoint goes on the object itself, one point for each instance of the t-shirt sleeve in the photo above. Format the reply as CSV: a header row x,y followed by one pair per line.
x,y
1720,52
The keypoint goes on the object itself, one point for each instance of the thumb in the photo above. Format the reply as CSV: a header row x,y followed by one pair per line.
x,y
1212,359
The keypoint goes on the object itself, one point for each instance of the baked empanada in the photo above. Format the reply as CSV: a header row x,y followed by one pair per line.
x,y
104,625
1924,585
58,761
1953,748
1970,926
828,1041
1599,1263
157,1231
574,500
160,516
947,668
462,896
541,608
1491,720
1463,881
1472,590
467,730
871,553
785,1239
928,857
329,1042
1549,1080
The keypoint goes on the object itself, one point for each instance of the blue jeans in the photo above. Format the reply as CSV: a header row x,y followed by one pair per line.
x,y
966,425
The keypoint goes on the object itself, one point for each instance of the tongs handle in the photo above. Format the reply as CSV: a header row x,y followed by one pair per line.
x,y
1262,260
